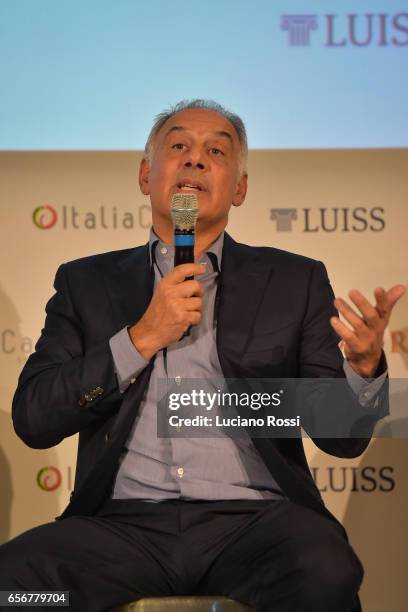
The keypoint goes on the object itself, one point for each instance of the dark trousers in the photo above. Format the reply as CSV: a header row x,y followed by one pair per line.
x,y
275,556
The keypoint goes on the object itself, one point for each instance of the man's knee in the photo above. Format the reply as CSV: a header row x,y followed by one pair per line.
x,y
15,554
321,568
330,576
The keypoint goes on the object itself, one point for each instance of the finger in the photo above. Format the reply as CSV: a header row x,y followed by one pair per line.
x,y
345,333
194,317
192,303
183,271
382,304
351,316
395,293
188,289
369,312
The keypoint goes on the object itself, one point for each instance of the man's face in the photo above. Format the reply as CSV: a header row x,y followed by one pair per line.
x,y
196,151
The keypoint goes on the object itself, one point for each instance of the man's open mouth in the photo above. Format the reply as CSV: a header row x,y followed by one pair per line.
x,y
190,186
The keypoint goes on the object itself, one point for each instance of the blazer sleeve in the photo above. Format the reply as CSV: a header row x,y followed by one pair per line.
x,y
320,357
63,388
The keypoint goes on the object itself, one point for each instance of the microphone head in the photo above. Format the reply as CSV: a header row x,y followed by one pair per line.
x,y
184,211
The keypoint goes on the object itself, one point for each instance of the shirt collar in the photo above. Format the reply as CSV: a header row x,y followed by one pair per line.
x,y
214,251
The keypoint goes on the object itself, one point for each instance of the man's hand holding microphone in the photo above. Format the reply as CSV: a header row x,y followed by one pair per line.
x,y
177,299
175,305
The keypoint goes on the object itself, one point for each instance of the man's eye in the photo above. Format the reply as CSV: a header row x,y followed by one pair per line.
x,y
216,151
178,146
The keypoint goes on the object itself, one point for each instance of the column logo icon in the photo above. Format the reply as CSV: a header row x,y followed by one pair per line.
x,y
299,28
283,218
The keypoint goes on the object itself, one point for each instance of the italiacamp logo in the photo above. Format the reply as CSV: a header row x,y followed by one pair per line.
x,y
49,478
45,217
65,217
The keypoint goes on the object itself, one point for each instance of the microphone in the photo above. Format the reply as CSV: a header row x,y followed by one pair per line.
x,y
184,213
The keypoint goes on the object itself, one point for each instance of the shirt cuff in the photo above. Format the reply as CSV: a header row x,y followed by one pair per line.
x,y
127,359
365,388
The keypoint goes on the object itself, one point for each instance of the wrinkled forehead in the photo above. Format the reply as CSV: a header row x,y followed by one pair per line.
x,y
202,122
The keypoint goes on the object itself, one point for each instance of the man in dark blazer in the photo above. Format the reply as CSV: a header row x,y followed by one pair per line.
x,y
276,547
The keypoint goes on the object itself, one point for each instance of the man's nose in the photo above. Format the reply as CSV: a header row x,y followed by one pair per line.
x,y
194,159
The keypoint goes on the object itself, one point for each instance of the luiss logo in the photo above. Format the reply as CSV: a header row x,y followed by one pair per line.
x,y
49,478
367,479
356,30
45,217
359,219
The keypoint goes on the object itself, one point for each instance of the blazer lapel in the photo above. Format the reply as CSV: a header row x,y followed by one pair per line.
x,y
244,276
131,286
130,289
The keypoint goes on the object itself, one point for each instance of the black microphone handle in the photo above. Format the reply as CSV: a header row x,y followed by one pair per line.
x,y
184,253
184,248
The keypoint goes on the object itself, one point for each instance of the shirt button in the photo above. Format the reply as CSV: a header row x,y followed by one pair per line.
x,y
163,251
180,472
177,379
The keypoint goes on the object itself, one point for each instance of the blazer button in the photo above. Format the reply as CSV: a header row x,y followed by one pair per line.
x,y
71,495
82,401
107,436
99,390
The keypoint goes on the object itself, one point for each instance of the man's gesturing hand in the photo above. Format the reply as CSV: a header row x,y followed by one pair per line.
x,y
362,344
175,305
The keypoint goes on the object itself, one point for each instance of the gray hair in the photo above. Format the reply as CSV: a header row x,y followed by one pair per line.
x,y
234,119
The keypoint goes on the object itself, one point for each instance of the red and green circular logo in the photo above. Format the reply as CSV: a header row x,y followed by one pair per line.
x,y
45,217
49,478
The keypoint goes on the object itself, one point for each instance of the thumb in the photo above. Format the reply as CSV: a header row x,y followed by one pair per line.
x,y
395,293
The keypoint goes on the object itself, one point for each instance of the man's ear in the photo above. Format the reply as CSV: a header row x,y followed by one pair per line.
x,y
144,170
241,190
